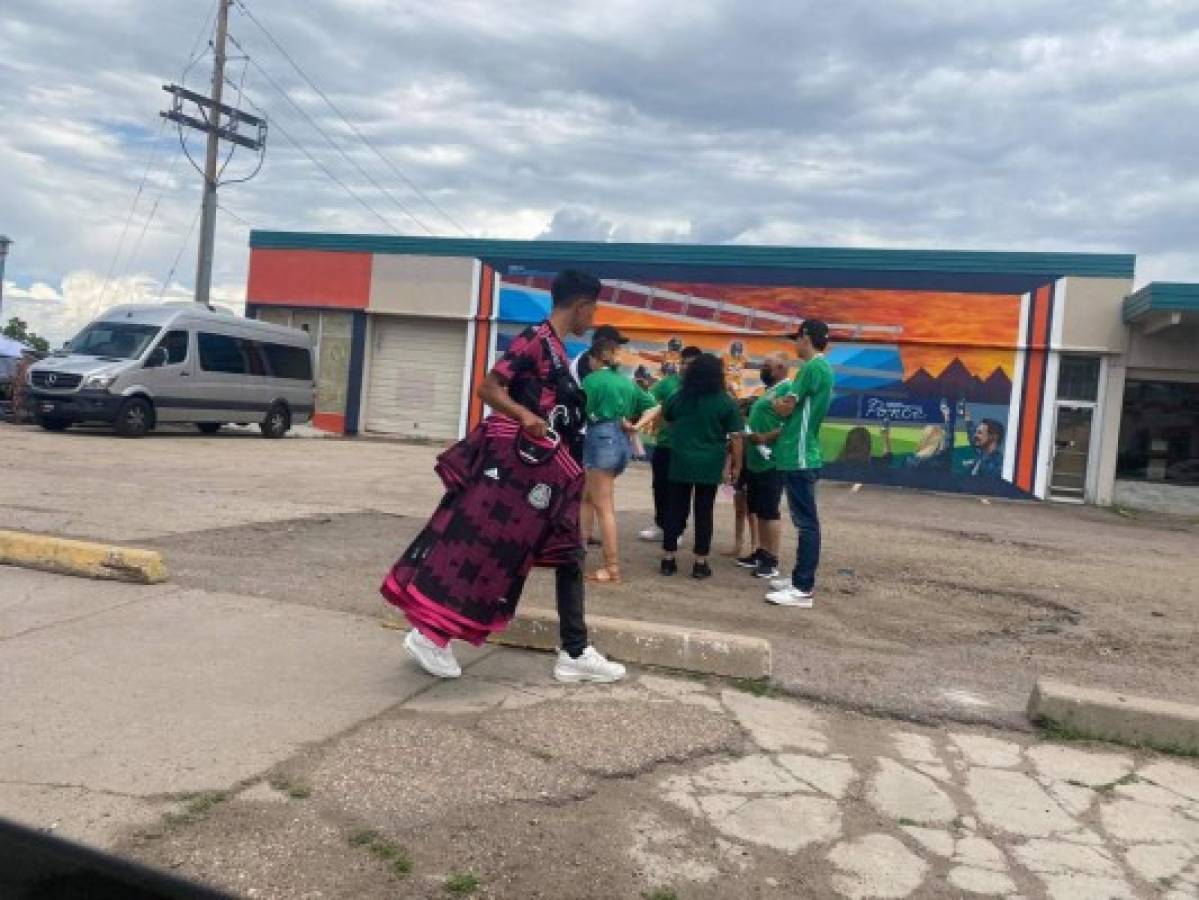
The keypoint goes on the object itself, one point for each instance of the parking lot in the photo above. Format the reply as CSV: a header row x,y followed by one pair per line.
x,y
928,605
251,724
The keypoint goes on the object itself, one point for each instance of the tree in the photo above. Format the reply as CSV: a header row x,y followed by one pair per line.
x,y
18,330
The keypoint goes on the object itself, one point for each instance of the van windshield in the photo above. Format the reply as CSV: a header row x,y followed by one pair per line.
x,y
116,340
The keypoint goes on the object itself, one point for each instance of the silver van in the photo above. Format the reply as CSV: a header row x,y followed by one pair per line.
x,y
138,366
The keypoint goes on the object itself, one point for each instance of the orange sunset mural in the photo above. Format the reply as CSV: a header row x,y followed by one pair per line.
x,y
920,374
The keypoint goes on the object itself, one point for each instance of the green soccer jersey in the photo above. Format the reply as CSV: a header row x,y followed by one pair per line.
x,y
763,419
798,447
613,397
701,429
662,391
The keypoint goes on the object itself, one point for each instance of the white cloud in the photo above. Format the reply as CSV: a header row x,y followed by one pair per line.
x,y
1025,125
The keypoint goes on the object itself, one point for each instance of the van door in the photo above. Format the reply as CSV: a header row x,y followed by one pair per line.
x,y
170,380
258,387
221,380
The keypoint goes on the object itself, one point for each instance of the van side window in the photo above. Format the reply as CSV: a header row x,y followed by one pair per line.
x,y
221,353
252,350
175,344
289,362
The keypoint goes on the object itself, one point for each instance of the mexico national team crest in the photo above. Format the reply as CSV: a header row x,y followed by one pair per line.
x,y
539,496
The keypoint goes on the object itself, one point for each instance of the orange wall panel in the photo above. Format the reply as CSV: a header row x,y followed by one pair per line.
x,y
309,278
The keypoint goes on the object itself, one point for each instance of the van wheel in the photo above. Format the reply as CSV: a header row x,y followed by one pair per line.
x,y
277,422
55,424
135,418
209,427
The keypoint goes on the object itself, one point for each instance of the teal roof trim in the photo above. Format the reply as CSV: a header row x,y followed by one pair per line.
x,y
1162,296
1097,265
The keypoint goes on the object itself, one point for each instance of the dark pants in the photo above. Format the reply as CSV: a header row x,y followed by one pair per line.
x,y
679,504
572,624
661,467
801,497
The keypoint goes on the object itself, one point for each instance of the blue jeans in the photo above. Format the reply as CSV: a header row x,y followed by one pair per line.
x,y
801,498
606,447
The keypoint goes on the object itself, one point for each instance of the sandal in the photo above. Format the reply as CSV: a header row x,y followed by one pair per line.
x,y
605,575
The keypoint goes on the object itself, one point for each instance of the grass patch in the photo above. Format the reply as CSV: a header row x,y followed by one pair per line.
x,y
296,790
759,687
1074,782
197,807
461,884
390,852
906,822
1052,730
661,894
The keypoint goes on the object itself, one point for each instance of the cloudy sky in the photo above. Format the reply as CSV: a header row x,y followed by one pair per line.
x,y
1028,124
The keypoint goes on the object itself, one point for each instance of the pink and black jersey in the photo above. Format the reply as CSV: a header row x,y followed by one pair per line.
x,y
511,503
536,370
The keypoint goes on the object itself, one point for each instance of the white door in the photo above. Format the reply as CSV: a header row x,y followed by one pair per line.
x,y
416,377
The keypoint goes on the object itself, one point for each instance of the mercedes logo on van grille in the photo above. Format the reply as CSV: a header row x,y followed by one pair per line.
x,y
51,379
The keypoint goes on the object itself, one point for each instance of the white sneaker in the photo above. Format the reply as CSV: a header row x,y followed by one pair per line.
x,y
435,660
652,535
781,584
792,596
590,666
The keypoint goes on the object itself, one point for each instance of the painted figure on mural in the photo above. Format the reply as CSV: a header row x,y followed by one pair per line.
x,y
734,368
987,441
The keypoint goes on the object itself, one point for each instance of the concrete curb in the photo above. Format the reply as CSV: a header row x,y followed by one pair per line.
x,y
1111,716
651,644
65,557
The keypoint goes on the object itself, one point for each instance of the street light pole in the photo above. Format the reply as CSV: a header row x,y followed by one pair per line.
x,y
5,243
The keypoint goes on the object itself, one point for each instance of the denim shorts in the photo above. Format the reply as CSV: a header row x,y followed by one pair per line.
x,y
606,447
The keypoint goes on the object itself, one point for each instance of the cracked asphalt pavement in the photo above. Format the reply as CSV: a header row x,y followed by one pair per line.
x,y
251,724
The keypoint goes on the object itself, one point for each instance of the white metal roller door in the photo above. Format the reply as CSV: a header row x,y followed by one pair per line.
x,y
416,377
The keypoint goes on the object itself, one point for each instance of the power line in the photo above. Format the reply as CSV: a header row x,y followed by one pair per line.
x,y
344,155
320,165
231,214
178,256
193,57
386,161
132,208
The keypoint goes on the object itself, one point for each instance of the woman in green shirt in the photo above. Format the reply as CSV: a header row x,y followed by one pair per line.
x,y
614,402
702,418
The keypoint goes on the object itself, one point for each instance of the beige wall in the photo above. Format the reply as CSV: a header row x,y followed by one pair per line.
x,y
1170,354
433,286
1093,317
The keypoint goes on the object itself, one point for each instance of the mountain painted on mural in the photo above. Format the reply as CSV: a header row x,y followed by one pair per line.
x,y
956,382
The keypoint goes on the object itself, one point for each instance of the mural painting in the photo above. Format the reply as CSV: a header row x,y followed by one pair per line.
x,y
924,379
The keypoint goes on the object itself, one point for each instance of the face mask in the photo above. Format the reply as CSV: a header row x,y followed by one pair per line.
x,y
768,378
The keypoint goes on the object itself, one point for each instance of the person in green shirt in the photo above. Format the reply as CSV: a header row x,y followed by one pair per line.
x,y
763,481
702,416
662,391
797,455
614,403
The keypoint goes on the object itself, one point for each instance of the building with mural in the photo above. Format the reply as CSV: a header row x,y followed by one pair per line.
x,y
1023,375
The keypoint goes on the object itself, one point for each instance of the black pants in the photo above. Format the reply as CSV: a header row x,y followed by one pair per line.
x,y
680,497
572,623
661,468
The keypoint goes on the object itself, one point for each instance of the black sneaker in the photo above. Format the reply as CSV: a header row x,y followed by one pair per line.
x,y
701,570
670,567
751,561
768,567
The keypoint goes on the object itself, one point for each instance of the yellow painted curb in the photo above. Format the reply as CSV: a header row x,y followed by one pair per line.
x,y
64,557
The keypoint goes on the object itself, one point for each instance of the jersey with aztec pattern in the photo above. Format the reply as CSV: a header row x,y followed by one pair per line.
x,y
511,503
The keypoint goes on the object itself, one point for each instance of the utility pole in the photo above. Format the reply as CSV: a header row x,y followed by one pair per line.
x,y
5,243
208,210
211,110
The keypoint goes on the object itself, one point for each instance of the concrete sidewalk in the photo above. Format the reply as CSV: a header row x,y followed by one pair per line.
x,y
281,750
